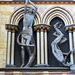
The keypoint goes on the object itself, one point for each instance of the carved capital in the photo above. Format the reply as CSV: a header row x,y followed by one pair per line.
x,y
41,27
73,28
66,29
38,30
45,30
70,28
11,27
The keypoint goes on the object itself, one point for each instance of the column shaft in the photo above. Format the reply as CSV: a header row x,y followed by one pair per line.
x,y
9,47
74,39
74,44
42,47
71,47
46,55
38,47
12,48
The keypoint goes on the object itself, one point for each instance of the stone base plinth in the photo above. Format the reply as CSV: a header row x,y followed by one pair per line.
x,y
37,73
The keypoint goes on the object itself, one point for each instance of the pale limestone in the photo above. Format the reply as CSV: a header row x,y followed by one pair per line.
x,y
5,13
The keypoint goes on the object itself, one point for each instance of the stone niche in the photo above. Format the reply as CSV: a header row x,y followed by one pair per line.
x,y
50,38
43,36
64,47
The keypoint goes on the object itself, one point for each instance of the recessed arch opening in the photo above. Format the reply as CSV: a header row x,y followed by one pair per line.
x,y
17,19
17,15
58,12
63,47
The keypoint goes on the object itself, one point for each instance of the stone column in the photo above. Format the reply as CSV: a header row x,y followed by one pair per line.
x,y
10,49
71,30
71,46
38,47
46,54
74,36
42,46
13,29
74,41
42,56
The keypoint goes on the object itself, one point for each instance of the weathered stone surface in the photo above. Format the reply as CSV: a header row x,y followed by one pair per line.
x,y
37,73
5,13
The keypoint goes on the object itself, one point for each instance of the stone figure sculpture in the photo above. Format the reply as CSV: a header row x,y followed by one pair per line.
x,y
59,55
27,33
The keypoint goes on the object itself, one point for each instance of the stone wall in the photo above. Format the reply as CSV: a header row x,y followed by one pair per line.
x,y
4,19
6,11
6,0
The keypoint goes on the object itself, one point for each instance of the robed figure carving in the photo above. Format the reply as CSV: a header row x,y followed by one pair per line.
x,y
27,33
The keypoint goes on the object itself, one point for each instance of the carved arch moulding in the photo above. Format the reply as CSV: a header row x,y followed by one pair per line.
x,y
51,13
17,15
60,12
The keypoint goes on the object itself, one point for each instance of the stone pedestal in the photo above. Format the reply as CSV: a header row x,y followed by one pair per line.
x,y
42,56
10,44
